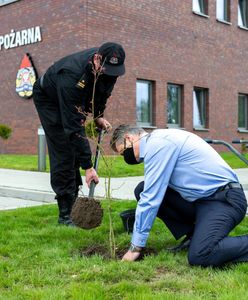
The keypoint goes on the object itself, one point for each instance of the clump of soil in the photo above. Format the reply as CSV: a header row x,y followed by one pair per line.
x,y
87,213
104,252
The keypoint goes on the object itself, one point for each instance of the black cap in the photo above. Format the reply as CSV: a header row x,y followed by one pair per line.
x,y
113,56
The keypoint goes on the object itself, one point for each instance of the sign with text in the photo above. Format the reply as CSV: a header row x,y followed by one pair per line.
x,y
20,38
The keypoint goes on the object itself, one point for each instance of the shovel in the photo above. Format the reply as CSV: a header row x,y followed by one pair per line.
x,y
87,212
96,163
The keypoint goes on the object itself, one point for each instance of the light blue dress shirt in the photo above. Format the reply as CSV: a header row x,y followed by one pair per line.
x,y
182,161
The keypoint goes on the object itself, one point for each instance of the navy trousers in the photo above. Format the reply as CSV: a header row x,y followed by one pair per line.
x,y
210,220
216,216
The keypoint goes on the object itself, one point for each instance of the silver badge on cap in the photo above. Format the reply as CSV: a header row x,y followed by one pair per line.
x,y
113,60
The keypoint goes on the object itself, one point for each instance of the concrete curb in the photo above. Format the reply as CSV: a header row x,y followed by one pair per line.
x,y
25,194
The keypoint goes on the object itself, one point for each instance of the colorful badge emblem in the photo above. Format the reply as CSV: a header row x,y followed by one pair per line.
x,y
113,60
26,77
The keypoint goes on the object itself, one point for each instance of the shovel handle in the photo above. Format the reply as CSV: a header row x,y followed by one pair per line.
x,y
92,189
96,162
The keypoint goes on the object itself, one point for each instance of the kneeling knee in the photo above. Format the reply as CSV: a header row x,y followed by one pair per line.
x,y
195,259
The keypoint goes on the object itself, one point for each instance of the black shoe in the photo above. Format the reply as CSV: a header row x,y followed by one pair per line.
x,y
65,203
184,245
66,221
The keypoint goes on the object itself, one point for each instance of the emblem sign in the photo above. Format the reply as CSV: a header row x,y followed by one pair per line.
x,y
26,77
113,60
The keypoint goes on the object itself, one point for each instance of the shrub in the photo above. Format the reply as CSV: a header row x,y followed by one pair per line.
x,y
5,131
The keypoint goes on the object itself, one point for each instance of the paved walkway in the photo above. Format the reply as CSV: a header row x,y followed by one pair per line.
x,y
7,203
23,188
34,188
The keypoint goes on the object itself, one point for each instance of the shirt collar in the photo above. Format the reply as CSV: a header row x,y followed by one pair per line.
x,y
142,146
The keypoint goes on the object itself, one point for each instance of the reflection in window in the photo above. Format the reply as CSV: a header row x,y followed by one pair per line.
x,y
144,102
174,99
199,107
243,111
223,10
200,6
243,13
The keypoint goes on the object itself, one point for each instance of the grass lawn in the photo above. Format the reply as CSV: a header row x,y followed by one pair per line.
x,y
42,260
117,165
30,163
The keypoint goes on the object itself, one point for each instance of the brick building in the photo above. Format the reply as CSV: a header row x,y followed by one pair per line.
x,y
187,61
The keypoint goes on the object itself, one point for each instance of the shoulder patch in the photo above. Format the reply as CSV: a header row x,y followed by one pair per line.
x,y
81,84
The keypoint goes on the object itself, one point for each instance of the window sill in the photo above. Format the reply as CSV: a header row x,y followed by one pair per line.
x,y
242,130
148,126
200,129
242,27
223,21
200,14
172,126
8,2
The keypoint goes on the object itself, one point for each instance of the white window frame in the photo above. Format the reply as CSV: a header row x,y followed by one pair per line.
x,y
222,10
197,111
245,111
179,104
241,22
150,86
197,8
5,2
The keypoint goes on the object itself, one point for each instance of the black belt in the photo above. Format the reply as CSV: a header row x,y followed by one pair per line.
x,y
230,185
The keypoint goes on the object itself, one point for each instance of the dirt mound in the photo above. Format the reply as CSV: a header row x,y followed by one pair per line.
x,y
104,252
87,213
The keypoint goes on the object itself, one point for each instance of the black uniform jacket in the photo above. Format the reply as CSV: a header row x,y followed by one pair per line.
x,y
69,82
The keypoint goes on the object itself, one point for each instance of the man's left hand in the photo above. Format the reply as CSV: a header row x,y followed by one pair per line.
x,y
131,256
103,124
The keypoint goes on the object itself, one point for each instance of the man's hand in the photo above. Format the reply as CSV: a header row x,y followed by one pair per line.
x,y
103,124
90,174
131,256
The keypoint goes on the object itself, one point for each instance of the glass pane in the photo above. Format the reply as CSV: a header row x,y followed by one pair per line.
x,y
173,104
243,13
240,22
241,111
196,6
199,108
143,102
220,9
202,4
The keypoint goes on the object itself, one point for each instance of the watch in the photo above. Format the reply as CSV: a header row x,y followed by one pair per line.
x,y
134,248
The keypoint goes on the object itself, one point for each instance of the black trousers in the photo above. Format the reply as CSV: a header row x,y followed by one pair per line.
x,y
212,220
65,175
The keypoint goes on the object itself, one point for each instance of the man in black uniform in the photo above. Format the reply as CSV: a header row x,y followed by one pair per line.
x,y
63,98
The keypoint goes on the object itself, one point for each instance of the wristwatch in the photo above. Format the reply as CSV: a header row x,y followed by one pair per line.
x,y
134,248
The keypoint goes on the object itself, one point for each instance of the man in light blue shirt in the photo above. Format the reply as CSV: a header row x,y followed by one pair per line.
x,y
181,167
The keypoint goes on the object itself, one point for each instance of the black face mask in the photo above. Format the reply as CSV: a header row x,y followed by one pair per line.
x,y
129,156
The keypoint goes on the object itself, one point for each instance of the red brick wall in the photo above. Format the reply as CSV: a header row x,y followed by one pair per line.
x,y
164,42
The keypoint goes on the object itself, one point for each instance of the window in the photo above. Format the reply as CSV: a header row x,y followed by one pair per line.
x,y
200,6
174,104
4,2
144,102
243,13
223,10
243,112
200,108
